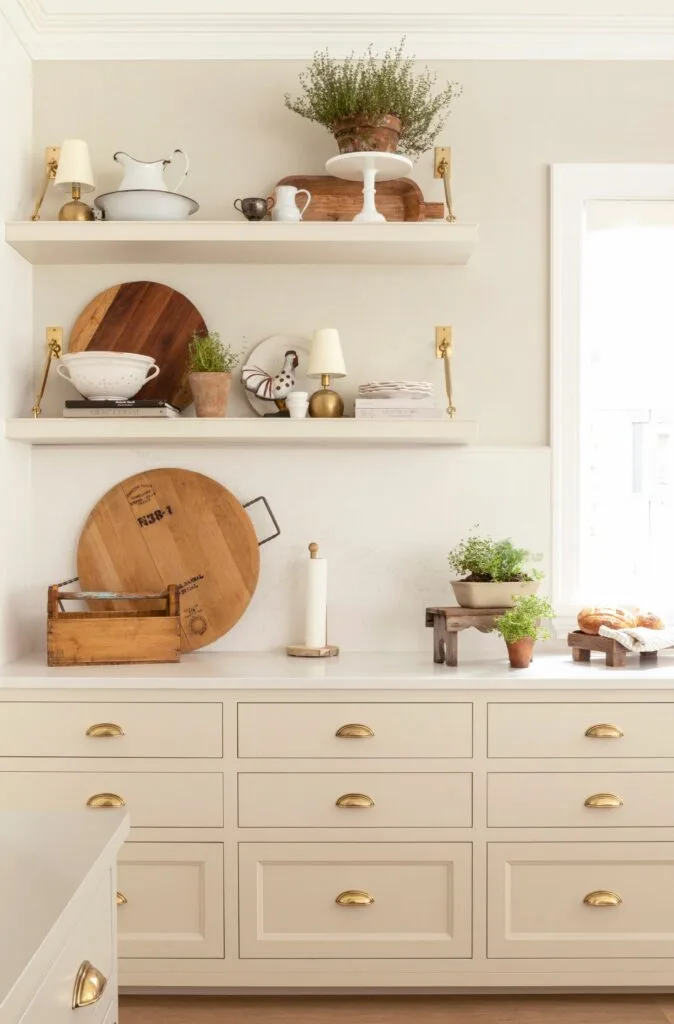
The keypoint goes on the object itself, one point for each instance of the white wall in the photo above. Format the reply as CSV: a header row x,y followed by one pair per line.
x,y
386,519
16,335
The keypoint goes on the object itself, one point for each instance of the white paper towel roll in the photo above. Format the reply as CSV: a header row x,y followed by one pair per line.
x,y
315,631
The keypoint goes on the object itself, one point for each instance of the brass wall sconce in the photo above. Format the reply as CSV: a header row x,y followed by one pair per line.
x,y
443,350
54,351
68,168
443,169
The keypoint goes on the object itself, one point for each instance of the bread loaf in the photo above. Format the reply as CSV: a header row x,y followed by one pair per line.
x,y
590,619
649,620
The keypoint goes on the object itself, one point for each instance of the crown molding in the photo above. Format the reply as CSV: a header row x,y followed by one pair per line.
x,y
183,35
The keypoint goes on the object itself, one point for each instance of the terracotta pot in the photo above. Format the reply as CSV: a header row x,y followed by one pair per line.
x,y
491,595
210,392
364,134
520,652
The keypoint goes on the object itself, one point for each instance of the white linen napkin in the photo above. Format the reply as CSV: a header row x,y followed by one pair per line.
x,y
640,638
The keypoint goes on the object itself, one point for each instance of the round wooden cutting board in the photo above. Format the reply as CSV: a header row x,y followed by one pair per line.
x,y
174,526
149,319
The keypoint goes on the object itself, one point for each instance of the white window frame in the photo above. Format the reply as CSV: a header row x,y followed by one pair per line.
x,y
572,185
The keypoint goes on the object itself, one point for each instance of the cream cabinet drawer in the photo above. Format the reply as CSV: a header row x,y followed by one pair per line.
x,y
355,730
91,940
579,900
154,799
355,800
170,900
93,729
355,900
602,730
580,799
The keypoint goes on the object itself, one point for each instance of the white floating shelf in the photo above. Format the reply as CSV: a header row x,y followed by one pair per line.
x,y
256,431
427,242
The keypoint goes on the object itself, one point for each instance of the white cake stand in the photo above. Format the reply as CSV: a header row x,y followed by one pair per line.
x,y
367,166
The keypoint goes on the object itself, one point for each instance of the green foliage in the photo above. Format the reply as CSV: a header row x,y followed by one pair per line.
x,y
524,619
484,560
375,86
207,354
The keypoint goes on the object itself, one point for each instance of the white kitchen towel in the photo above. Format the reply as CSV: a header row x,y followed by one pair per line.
x,y
640,638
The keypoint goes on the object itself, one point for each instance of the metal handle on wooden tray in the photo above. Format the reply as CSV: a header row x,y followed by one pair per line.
x,y
272,536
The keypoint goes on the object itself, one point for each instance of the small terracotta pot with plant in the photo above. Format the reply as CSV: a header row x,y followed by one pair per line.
x,y
494,572
520,627
210,365
374,104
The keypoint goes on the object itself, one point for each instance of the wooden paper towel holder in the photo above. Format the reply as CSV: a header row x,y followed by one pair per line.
x,y
301,650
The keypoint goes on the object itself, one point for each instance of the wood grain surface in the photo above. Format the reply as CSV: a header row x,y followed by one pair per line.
x,y
419,1009
149,319
174,526
336,199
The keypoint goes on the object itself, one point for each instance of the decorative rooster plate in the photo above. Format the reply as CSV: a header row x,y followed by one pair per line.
x,y
269,370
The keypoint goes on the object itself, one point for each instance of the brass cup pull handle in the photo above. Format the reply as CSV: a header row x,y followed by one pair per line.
x,y
354,800
354,898
604,800
89,985
604,731
120,898
104,729
354,731
602,898
105,800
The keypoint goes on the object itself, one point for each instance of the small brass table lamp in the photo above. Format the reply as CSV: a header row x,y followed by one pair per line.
x,y
74,175
326,361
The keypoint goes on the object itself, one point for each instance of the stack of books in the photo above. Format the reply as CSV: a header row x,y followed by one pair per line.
x,y
129,407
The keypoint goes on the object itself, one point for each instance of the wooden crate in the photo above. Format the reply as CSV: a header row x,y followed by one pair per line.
x,y
113,637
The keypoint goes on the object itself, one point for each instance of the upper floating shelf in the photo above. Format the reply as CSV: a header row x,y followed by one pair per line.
x,y
251,430
45,243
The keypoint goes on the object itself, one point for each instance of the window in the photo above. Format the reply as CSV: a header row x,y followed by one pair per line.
x,y
613,386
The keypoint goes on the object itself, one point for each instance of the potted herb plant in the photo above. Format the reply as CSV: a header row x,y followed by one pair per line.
x,y
372,103
210,365
494,572
520,627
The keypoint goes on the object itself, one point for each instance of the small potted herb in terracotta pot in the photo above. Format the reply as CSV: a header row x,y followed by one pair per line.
x,y
493,572
520,627
374,104
210,365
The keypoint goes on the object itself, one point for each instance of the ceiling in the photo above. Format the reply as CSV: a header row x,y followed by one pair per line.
x,y
438,29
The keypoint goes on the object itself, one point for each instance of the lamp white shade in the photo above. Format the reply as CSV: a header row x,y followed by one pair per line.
x,y
74,167
325,354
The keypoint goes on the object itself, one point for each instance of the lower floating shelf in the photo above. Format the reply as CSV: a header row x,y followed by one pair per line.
x,y
249,430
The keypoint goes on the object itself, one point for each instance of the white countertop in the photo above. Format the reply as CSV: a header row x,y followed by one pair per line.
x,y
349,671
44,859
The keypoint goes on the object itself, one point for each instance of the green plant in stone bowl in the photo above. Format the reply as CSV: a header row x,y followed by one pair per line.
x,y
373,103
483,560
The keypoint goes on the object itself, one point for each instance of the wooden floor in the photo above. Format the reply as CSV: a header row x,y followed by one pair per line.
x,y
397,1009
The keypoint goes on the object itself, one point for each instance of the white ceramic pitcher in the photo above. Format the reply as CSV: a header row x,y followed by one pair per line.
x,y
140,175
285,207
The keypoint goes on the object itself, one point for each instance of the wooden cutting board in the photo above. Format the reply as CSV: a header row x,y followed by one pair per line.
x,y
174,526
149,319
337,199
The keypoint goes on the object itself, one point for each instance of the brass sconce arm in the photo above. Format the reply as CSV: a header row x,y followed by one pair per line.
x,y
443,350
51,167
54,351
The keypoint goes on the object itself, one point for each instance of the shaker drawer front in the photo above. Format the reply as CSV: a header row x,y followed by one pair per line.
x,y
170,900
355,900
355,800
579,900
580,799
355,730
90,939
581,730
93,729
154,799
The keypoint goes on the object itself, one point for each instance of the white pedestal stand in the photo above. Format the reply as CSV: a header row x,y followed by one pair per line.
x,y
354,166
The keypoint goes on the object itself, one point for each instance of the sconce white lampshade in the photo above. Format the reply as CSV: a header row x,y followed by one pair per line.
x,y
325,355
74,167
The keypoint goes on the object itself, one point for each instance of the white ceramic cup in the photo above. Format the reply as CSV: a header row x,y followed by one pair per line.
x,y
298,404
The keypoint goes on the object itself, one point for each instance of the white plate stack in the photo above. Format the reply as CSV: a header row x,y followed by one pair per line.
x,y
397,400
